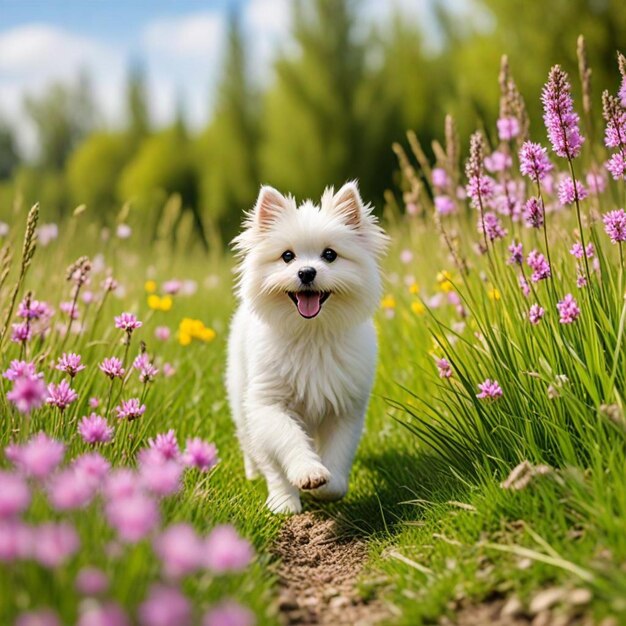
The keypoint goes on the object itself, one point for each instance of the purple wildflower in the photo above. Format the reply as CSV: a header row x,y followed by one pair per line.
x,y
489,390
32,309
540,266
535,314
596,182
508,128
38,457
615,225
517,253
568,309
28,393
130,409
492,226
163,606
444,368
40,617
127,322
69,308
534,161
498,161
166,445
440,178
200,454
61,395
70,363
133,516
533,213
577,250
91,581
444,205
524,286
21,332
228,613
14,495
559,116
581,280
226,551
147,371
112,367
162,333
180,550
616,166
21,369
95,429
570,191
480,188
109,284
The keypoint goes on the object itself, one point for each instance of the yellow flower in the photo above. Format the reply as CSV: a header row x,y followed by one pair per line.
x,y
150,286
444,279
388,302
190,329
417,307
160,304
494,294
414,289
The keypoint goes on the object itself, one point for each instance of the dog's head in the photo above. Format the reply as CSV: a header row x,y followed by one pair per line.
x,y
313,264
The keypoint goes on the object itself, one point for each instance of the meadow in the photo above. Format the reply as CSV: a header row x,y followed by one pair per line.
x,y
491,473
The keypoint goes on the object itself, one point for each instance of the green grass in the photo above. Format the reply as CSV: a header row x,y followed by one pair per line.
x,y
433,499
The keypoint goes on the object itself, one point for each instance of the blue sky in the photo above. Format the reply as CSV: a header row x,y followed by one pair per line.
x,y
179,42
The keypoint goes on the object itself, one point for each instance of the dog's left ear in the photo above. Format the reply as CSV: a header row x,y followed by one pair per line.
x,y
347,201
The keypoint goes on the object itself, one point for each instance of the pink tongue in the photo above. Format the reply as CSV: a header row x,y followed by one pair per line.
x,y
309,304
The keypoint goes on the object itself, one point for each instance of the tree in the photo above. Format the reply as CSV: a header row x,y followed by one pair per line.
x,y
9,158
62,117
164,165
138,112
94,169
228,150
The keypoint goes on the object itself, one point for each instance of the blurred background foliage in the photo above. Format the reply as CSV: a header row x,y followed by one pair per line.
x,y
340,95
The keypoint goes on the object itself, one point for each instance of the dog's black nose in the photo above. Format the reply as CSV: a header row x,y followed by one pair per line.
x,y
307,275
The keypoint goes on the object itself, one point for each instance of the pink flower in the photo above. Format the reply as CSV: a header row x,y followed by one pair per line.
x,y
166,445
569,191
130,409
517,253
535,314
444,368
21,369
406,256
69,490
15,541
489,390
615,225
61,395
200,454
158,475
127,322
444,205
70,364
14,495
534,161
540,266
112,367
568,309
172,287
41,617
53,544
94,402
109,284
228,613
92,465
168,370
91,581
28,393
39,456
121,483
524,286
33,309
20,333
498,161
95,429
492,226
147,371
69,308
508,128
180,550
165,606
616,166
133,517
440,177
162,333
107,614
226,551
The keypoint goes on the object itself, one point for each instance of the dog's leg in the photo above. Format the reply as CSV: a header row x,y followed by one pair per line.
x,y
250,468
282,496
338,440
275,435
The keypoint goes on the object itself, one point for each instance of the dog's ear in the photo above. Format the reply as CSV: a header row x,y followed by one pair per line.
x,y
347,201
269,205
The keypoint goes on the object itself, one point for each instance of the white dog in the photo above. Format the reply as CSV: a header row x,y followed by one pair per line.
x,y
302,348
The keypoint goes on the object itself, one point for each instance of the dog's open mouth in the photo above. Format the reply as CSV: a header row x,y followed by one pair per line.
x,y
309,303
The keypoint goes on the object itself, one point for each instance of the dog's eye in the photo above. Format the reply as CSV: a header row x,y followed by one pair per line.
x,y
329,255
288,256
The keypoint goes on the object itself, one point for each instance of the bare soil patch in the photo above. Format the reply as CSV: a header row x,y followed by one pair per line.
x,y
318,573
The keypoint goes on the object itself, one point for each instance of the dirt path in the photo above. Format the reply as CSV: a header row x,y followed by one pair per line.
x,y
318,573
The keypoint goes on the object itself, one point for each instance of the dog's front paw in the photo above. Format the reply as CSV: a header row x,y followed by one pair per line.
x,y
309,477
283,504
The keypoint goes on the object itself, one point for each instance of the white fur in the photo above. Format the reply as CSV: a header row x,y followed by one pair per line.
x,y
299,388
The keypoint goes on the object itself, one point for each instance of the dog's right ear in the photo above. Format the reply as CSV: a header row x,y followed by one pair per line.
x,y
269,205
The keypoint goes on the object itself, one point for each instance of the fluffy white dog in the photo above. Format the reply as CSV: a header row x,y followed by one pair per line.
x,y
302,348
